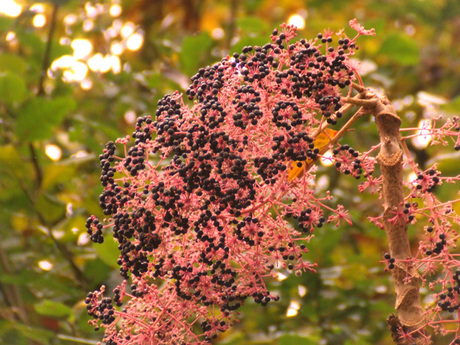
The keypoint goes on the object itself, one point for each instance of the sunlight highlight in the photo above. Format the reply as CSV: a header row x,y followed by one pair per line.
x,y
412,178
327,159
88,25
115,10
117,48
45,265
83,239
10,8
217,33
53,152
103,64
39,20
86,84
81,48
37,8
424,137
293,309
135,41
130,117
280,276
127,29
302,290
77,72
297,20
69,209
74,70
10,36
70,19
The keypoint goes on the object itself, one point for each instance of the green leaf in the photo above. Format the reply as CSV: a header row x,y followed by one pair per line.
x,y
97,271
401,49
36,334
59,2
193,52
52,308
250,25
154,80
38,117
56,173
13,89
6,23
32,44
12,63
50,207
108,251
452,107
23,278
288,339
76,340
248,41
58,50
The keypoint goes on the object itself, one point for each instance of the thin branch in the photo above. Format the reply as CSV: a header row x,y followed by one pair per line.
x,y
359,88
231,23
36,165
41,89
361,102
359,113
47,56
67,255
11,292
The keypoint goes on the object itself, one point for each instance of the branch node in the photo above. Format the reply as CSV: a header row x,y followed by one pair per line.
x,y
390,160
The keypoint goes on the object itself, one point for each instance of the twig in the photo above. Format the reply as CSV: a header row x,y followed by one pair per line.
x,y
359,88
361,102
41,89
38,171
36,164
46,57
231,22
11,292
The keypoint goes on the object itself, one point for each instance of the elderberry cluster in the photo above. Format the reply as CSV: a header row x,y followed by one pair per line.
x,y
347,161
427,182
391,261
439,245
102,310
191,202
449,300
408,208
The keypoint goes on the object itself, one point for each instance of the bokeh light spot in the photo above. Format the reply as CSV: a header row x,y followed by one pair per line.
x,y
127,29
217,33
293,309
115,10
135,42
297,20
10,8
45,265
116,48
81,48
39,20
53,152
424,137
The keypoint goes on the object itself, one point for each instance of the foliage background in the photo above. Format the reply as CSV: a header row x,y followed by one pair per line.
x,y
47,264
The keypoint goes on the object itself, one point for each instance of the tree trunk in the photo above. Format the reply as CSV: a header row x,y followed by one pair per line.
x,y
410,313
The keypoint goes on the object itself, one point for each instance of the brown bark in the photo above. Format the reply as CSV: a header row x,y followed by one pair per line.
x,y
406,281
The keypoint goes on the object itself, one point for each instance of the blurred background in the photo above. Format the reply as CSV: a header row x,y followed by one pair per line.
x,y
76,74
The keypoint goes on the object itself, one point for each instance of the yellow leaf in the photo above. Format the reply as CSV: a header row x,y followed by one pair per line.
x,y
321,142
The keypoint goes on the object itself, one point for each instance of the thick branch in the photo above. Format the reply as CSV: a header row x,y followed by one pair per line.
x,y
405,277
